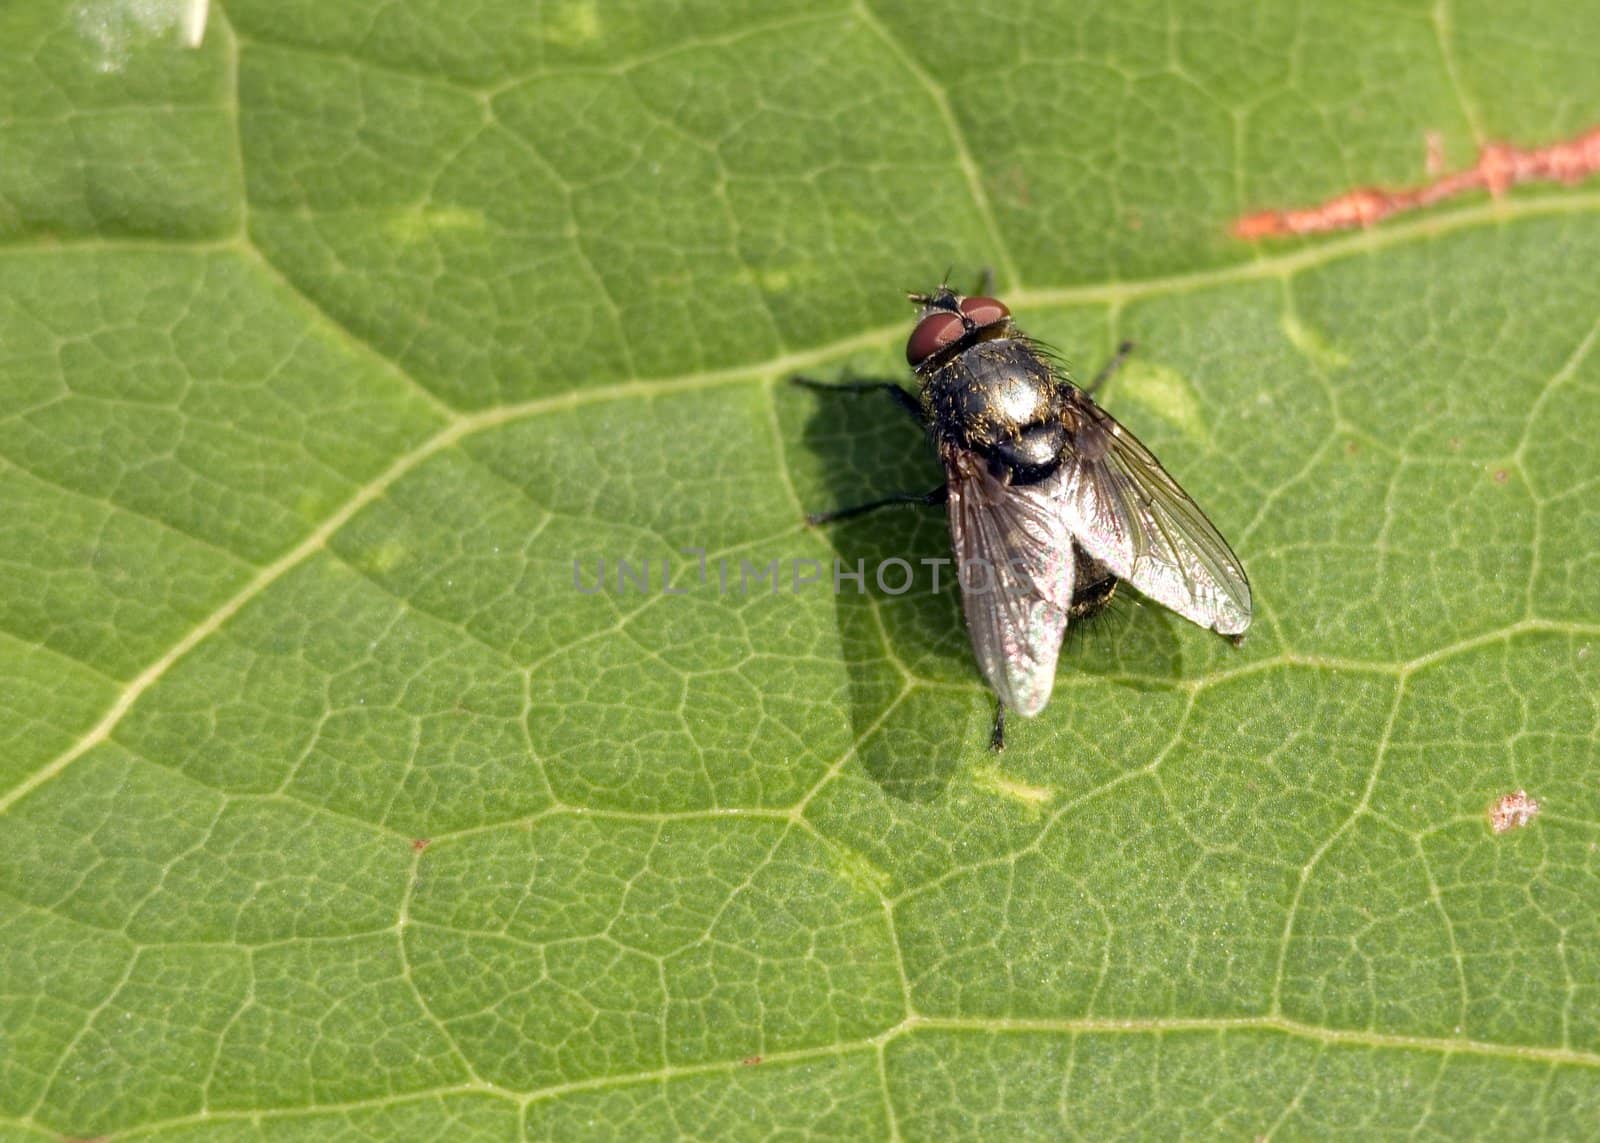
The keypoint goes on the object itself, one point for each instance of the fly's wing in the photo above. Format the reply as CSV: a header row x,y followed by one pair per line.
x,y
1121,505
1014,556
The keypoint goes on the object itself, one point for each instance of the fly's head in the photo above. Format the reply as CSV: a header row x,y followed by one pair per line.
x,y
950,322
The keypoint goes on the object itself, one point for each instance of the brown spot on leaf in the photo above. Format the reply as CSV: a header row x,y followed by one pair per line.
x,y
420,843
1513,811
1501,476
750,1061
1500,166
1011,186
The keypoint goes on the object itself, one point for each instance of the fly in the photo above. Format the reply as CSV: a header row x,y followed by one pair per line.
x,y
1052,503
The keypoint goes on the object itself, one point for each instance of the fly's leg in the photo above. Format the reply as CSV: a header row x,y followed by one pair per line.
x,y
1109,368
933,496
985,287
907,404
997,737
903,400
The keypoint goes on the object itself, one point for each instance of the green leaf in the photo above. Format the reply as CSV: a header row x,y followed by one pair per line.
x,y
330,806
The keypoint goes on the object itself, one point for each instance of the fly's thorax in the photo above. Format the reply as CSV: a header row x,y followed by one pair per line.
x,y
1000,399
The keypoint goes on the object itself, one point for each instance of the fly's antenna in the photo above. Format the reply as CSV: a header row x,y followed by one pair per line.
x,y
917,298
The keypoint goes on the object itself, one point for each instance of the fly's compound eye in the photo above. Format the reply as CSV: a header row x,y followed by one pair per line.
x,y
932,334
984,311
